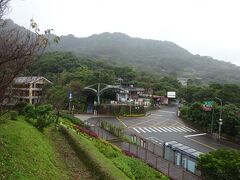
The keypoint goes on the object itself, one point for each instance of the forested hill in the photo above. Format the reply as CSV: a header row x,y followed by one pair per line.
x,y
160,57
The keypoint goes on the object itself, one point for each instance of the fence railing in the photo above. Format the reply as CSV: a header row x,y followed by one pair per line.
x,y
151,153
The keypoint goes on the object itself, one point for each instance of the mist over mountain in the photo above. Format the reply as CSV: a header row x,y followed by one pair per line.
x,y
157,57
153,56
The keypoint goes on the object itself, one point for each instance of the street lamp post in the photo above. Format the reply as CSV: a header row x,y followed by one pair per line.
x,y
220,118
212,121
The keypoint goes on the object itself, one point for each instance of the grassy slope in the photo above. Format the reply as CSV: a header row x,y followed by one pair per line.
x,y
101,166
72,165
108,158
25,153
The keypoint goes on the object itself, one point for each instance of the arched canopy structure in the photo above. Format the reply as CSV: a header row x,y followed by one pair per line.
x,y
98,91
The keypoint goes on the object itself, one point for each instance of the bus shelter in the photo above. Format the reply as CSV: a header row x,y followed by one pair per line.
x,y
182,155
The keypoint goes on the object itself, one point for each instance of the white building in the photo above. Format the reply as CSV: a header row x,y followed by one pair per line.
x,y
28,89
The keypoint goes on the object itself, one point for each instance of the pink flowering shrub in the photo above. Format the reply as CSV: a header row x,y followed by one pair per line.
x,y
86,131
130,154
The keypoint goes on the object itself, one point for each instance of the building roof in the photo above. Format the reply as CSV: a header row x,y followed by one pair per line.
x,y
183,149
29,79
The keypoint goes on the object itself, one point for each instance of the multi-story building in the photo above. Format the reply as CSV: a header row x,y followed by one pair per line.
x,y
28,89
132,94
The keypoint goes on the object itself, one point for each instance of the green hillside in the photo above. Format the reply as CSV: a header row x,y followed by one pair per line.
x,y
25,153
145,55
159,57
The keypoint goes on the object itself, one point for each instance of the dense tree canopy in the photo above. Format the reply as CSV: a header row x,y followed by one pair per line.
x,y
221,164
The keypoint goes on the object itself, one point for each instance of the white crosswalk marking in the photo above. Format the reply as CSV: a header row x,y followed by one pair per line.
x,y
147,129
190,129
168,130
186,129
136,130
162,129
180,129
157,129
176,129
152,129
171,129
142,130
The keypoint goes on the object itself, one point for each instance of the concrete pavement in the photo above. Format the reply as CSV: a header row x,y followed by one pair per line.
x,y
165,126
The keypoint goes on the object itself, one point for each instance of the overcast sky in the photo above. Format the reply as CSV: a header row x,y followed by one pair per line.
x,y
205,27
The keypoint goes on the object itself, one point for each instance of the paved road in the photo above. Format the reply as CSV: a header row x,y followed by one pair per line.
x,y
164,125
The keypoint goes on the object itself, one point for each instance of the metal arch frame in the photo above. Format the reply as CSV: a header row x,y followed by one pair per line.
x,y
91,89
99,92
111,87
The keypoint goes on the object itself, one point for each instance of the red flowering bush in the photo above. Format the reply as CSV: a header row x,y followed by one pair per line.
x,y
86,131
130,154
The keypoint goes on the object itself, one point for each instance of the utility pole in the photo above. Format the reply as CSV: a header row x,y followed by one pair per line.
x,y
70,101
220,118
212,121
98,94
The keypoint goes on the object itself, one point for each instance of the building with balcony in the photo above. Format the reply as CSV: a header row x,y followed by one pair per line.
x,y
28,89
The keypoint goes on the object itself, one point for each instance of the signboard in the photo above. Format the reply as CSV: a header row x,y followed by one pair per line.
x,y
171,94
70,95
208,105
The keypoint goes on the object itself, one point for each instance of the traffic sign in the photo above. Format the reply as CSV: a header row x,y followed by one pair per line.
x,y
208,105
70,95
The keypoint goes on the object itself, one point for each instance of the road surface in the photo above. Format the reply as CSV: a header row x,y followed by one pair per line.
x,y
164,125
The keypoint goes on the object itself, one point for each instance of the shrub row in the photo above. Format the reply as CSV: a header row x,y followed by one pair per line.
x,y
134,115
86,131
71,118
112,129
132,167
89,154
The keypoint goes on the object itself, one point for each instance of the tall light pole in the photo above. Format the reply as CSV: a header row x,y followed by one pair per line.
x,y
220,118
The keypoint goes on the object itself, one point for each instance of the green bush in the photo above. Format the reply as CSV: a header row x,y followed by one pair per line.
x,y
29,111
13,115
45,116
221,164
71,118
100,165
112,129
133,168
20,106
40,116
95,149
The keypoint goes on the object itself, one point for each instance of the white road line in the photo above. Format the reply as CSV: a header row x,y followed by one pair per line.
x,y
156,115
171,112
136,130
182,130
195,135
172,129
162,129
142,130
184,127
146,129
152,129
190,129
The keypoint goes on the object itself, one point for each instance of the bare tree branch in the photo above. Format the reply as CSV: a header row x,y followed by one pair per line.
x,y
18,48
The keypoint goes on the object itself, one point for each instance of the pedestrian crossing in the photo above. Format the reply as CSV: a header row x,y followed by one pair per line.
x,y
162,129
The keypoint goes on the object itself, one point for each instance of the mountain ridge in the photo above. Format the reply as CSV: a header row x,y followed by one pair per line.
x,y
160,57
154,56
